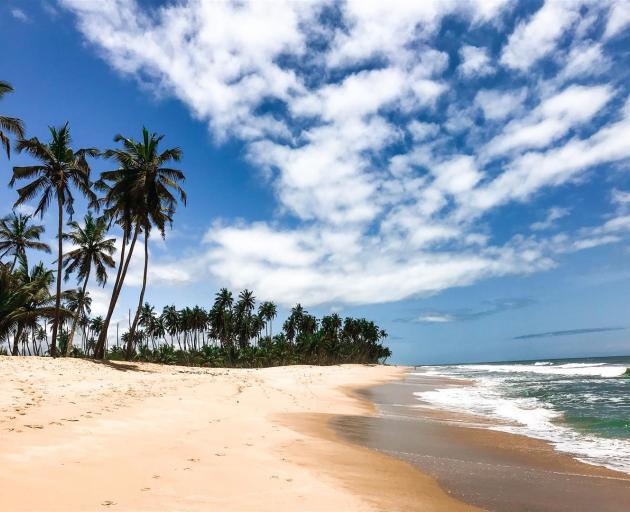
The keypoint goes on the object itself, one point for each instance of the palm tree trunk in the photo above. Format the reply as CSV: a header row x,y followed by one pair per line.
x,y
53,343
77,314
99,349
16,341
132,331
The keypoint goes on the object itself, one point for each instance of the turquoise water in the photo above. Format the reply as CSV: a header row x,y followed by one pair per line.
x,y
582,406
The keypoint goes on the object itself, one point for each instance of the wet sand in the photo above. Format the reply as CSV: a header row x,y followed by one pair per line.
x,y
493,470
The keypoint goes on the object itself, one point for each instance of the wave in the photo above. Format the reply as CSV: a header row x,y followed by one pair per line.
x,y
530,416
569,369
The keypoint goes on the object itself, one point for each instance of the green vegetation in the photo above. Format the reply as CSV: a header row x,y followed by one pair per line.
x,y
140,195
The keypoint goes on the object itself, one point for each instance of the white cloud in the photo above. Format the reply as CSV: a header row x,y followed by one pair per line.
x,y
620,197
536,37
585,60
552,119
553,215
422,131
375,153
19,14
618,18
499,105
475,61
532,171
434,318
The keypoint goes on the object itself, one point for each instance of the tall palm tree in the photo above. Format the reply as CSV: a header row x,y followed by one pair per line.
x,y
61,168
221,316
154,187
10,125
118,208
268,311
92,250
17,234
170,319
244,307
292,325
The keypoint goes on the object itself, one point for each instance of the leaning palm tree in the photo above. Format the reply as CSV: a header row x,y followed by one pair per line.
x,y
61,168
93,249
9,124
119,207
17,234
153,188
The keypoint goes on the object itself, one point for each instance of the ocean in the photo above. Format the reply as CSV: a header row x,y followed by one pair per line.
x,y
581,406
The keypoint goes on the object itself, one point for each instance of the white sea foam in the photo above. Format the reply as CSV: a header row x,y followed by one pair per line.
x,y
528,415
577,369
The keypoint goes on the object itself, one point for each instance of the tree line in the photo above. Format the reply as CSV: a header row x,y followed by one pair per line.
x,y
139,197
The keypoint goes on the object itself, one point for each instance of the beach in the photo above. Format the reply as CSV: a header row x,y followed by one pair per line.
x,y
81,435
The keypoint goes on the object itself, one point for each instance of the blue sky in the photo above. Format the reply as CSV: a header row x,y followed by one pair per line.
x,y
457,171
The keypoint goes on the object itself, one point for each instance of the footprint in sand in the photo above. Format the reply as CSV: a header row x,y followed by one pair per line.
x,y
108,503
35,426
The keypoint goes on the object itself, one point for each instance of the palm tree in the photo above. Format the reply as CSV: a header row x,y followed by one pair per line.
x,y
24,298
60,168
170,319
244,307
9,124
268,311
17,234
118,208
92,249
293,323
152,187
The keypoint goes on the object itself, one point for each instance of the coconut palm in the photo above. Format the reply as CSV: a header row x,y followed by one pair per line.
x,y
221,316
10,125
59,170
244,307
268,311
93,249
24,299
118,208
17,234
170,319
152,187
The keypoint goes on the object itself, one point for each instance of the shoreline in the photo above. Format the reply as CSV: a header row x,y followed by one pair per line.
x,y
388,482
79,435
491,469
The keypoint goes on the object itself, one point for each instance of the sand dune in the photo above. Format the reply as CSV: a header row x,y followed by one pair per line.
x,y
79,435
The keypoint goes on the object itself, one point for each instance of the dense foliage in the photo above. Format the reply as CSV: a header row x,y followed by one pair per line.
x,y
140,195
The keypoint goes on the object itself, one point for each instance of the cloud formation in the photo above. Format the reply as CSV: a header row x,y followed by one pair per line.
x,y
386,148
490,307
569,332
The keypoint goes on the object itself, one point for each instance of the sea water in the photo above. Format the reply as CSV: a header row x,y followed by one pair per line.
x,y
581,406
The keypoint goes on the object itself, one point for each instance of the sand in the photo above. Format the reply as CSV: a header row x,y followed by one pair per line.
x,y
80,435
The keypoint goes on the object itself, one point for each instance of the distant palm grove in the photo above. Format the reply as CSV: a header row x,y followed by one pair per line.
x,y
138,197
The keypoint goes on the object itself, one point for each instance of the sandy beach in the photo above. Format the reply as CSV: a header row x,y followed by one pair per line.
x,y
79,435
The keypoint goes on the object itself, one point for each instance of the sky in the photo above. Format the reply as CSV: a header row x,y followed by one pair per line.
x,y
456,171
